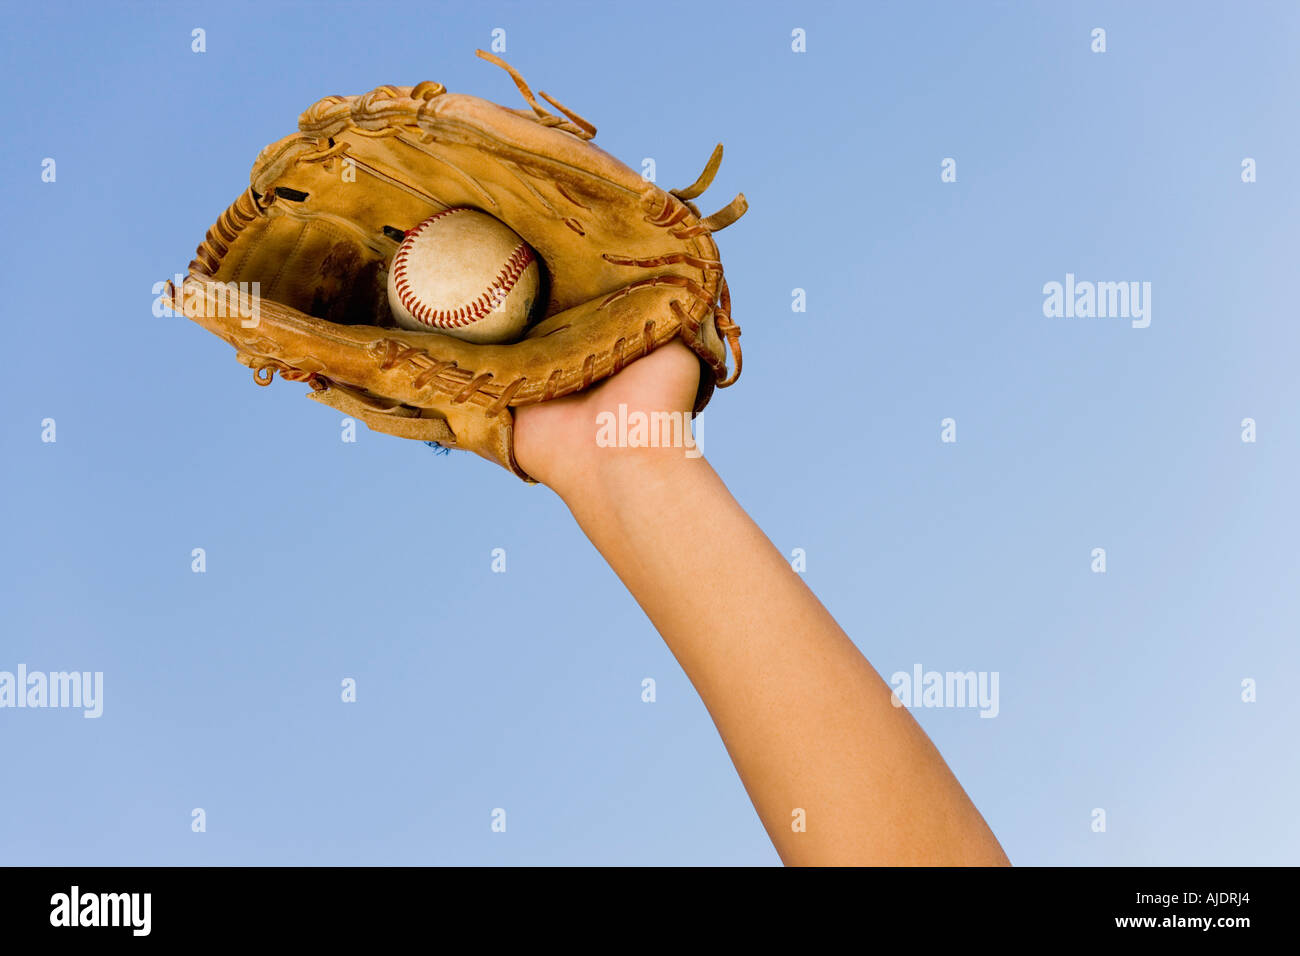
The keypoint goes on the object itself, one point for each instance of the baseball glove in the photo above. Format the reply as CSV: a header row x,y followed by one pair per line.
x,y
304,252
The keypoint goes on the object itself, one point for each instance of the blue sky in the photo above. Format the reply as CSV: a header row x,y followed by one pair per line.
x,y
522,690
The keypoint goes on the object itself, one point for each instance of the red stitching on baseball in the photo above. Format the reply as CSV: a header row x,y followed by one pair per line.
x,y
448,319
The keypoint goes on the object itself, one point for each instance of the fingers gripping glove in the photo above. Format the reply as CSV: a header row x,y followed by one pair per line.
x,y
627,266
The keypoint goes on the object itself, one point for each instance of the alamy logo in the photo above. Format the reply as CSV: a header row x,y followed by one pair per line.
x,y
237,300
946,689
81,689
102,909
1098,300
638,429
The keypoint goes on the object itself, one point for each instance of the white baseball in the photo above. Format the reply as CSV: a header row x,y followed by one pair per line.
x,y
463,273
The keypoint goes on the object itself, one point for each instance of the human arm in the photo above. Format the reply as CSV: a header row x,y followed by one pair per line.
x,y
807,721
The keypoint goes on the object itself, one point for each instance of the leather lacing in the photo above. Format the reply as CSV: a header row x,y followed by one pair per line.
x,y
575,124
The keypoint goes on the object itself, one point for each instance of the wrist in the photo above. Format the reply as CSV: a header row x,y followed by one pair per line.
x,y
621,473
582,446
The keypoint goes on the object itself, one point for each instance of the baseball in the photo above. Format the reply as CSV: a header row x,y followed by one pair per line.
x,y
463,273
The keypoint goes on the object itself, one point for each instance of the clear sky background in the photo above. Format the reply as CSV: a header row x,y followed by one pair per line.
x,y
522,690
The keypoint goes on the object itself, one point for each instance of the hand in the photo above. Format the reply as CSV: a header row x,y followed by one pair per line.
x,y
555,442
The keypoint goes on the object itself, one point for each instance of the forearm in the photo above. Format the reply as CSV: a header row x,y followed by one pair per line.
x,y
809,724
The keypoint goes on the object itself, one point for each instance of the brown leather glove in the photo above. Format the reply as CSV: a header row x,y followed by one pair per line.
x,y
627,267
